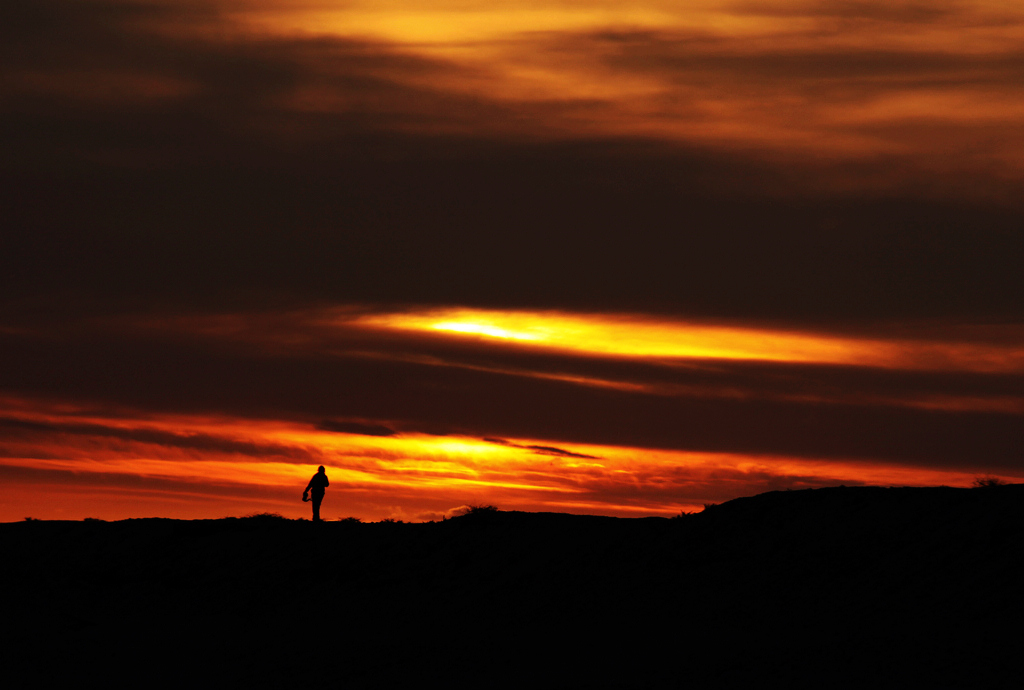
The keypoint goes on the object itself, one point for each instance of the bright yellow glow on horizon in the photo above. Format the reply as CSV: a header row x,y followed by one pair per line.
x,y
411,476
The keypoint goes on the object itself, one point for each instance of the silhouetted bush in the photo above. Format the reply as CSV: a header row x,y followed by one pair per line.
x,y
481,514
350,519
265,517
988,482
479,510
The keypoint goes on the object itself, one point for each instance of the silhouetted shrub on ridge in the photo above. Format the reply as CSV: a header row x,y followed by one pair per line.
x,y
988,482
479,510
266,517
476,514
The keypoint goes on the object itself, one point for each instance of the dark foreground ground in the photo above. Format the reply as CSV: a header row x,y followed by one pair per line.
x,y
831,587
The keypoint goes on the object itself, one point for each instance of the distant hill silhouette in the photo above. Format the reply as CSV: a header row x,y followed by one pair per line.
x,y
837,586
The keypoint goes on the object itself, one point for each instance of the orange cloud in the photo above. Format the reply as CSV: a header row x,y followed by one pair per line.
x,y
855,81
932,91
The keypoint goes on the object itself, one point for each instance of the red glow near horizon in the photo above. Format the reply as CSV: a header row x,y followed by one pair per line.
x,y
208,467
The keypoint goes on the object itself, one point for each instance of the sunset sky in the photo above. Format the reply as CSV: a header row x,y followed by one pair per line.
x,y
591,256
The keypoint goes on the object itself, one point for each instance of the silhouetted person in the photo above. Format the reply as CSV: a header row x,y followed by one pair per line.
x,y
316,485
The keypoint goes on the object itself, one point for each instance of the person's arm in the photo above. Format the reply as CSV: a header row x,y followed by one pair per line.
x,y
326,483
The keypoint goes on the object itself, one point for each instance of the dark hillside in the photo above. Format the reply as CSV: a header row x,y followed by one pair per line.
x,y
826,586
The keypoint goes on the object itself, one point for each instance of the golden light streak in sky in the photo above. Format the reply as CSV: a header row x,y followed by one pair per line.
x,y
314,333
636,336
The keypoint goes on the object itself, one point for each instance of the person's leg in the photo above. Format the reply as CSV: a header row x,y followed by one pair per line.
x,y
316,507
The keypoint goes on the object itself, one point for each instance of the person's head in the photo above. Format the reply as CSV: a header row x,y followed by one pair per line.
x,y
321,470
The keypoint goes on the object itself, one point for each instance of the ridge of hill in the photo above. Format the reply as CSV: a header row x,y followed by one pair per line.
x,y
845,583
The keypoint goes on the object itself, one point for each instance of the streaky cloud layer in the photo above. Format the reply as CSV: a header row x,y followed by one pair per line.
x,y
410,417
